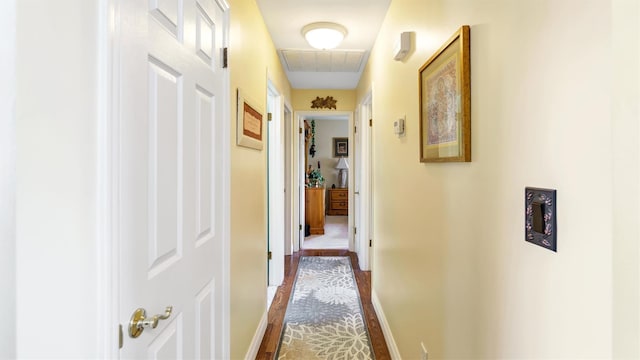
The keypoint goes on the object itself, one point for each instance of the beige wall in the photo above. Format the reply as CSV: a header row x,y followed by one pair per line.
x,y
252,57
8,180
326,130
301,99
450,264
57,117
626,179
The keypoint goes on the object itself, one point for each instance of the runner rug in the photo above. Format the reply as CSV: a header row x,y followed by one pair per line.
x,y
324,318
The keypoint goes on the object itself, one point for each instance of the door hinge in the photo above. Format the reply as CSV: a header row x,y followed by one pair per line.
x,y
369,242
370,122
355,129
299,130
299,226
355,230
269,255
225,58
120,337
269,116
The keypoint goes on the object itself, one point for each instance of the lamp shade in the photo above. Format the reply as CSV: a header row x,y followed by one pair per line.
x,y
342,164
324,35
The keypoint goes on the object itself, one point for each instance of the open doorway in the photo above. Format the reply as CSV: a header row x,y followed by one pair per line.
x,y
325,156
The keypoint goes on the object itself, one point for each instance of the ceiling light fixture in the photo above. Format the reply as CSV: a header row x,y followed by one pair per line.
x,y
324,35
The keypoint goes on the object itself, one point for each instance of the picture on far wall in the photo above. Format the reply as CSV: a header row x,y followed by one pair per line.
x,y
445,102
340,146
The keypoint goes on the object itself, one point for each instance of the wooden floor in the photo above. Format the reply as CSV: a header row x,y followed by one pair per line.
x,y
279,306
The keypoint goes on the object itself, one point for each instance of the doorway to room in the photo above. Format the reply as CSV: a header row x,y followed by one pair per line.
x,y
325,156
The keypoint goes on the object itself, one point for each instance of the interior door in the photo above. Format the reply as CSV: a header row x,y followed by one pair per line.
x,y
288,193
302,153
276,188
172,95
355,173
363,182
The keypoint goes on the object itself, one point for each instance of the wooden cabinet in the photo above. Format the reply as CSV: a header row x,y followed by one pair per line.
x,y
314,210
338,202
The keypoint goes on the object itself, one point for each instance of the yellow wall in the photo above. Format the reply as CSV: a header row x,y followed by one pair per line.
x,y
251,57
450,264
301,99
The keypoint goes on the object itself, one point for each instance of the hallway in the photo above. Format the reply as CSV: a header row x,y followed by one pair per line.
x,y
113,131
269,344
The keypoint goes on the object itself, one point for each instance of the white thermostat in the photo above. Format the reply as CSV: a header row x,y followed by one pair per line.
x,y
398,126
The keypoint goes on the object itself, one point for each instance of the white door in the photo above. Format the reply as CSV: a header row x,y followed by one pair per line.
x,y
275,136
363,180
302,171
355,174
288,193
171,93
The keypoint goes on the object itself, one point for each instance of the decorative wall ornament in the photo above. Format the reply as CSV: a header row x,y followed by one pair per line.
x,y
312,149
327,103
540,217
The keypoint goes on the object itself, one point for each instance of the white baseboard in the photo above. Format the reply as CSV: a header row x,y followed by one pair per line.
x,y
386,330
257,337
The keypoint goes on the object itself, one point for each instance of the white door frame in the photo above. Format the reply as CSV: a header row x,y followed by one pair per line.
x,y
276,203
289,179
109,44
298,171
299,117
365,164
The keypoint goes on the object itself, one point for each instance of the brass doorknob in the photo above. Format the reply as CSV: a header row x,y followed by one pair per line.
x,y
139,321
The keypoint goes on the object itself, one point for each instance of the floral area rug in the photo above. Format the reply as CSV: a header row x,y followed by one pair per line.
x,y
324,318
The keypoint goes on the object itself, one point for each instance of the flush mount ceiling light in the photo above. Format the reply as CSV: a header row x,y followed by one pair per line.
x,y
324,35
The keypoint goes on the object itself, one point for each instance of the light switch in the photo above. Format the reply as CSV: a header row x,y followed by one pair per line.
x,y
540,217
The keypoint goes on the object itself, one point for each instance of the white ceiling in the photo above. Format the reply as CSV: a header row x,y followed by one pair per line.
x,y
308,68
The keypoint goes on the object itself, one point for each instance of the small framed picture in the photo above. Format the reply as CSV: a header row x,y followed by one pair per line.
x,y
249,123
340,146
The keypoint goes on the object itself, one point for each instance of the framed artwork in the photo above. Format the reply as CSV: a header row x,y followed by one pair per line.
x,y
445,102
249,123
340,146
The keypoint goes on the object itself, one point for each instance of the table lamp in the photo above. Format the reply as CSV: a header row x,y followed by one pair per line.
x,y
342,166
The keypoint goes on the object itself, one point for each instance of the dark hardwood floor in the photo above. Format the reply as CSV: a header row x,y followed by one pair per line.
x,y
279,306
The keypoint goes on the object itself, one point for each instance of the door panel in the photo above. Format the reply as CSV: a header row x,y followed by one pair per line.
x,y
205,120
205,308
171,93
168,13
164,163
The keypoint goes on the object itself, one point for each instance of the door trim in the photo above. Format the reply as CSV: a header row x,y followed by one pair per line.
x,y
108,191
365,107
107,174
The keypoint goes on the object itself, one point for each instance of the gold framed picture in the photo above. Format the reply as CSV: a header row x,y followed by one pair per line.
x,y
445,102
249,123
